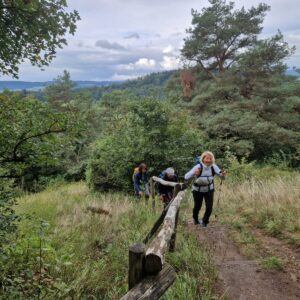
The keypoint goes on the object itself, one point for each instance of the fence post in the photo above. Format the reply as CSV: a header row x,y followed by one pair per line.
x,y
136,264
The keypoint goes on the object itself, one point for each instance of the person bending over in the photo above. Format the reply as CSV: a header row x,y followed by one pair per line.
x,y
166,193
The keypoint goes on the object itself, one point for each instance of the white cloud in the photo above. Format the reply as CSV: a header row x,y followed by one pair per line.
x,y
145,63
140,64
168,49
170,63
117,24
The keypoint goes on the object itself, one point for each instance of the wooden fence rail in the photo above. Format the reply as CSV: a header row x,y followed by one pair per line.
x,y
149,276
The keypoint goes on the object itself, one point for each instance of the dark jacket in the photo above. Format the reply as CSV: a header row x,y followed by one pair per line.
x,y
140,180
164,190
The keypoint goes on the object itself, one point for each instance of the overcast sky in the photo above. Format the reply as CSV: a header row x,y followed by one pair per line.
x,y
123,39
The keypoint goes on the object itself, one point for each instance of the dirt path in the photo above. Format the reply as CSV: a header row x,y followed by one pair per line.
x,y
244,279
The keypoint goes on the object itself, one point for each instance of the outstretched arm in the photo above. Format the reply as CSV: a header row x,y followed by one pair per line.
x,y
192,172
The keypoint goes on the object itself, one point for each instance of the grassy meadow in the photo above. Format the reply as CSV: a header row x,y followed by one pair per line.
x,y
84,255
65,251
271,204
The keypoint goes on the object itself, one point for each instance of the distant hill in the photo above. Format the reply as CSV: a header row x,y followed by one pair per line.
x,y
152,84
35,86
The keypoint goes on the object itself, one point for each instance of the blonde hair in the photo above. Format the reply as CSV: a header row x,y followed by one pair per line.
x,y
206,153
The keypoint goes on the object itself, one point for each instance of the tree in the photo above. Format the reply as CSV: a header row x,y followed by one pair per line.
x,y
220,33
255,70
33,30
149,132
31,135
59,94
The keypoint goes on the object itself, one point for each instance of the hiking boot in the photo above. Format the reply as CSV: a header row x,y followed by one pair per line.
x,y
203,224
196,222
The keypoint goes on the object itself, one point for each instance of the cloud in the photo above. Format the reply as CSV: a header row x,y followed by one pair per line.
x,y
145,63
168,49
134,35
105,44
170,63
118,23
140,64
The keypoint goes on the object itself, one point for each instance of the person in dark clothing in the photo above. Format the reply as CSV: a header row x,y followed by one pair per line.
x,y
166,192
203,186
140,181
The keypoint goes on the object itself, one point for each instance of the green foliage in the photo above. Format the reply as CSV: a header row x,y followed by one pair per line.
x,y
8,217
31,135
272,263
149,132
83,254
33,30
220,33
151,85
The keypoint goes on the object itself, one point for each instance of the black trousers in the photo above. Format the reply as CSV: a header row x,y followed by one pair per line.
x,y
198,199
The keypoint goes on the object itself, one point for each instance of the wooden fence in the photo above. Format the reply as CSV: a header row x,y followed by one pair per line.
x,y
149,276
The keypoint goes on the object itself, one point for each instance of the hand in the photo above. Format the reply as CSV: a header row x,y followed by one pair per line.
x,y
223,173
141,193
197,172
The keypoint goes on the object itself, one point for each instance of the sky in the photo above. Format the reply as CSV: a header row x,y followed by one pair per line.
x,y
124,39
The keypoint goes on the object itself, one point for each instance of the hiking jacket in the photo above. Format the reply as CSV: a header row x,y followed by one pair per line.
x,y
140,182
164,190
205,182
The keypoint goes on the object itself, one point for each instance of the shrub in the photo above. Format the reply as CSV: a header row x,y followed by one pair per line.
x,y
149,133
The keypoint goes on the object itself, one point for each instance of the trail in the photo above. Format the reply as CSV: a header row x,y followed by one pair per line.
x,y
240,278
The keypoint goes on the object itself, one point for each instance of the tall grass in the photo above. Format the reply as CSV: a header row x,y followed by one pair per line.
x,y
272,204
84,255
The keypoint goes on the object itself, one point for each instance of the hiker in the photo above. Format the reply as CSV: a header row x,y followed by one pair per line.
x,y
166,192
203,186
140,181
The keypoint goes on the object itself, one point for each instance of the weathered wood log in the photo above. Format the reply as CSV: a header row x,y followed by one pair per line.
x,y
173,237
164,182
157,224
169,183
136,264
152,287
159,245
177,189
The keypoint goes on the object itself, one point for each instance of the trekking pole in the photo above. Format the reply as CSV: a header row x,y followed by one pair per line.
x,y
219,196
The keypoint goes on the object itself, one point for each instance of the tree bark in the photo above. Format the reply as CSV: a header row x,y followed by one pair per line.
x,y
152,287
136,264
158,247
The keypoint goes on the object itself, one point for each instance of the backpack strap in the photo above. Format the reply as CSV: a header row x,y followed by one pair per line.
x,y
213,172
201,169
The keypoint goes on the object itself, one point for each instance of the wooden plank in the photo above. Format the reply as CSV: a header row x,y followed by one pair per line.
x,y
136,264
159,245
152,287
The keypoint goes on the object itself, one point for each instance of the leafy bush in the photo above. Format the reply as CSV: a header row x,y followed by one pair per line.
x,y
149,132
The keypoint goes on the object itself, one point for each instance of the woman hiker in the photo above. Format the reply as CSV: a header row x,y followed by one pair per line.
x,y
203,186
140,181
